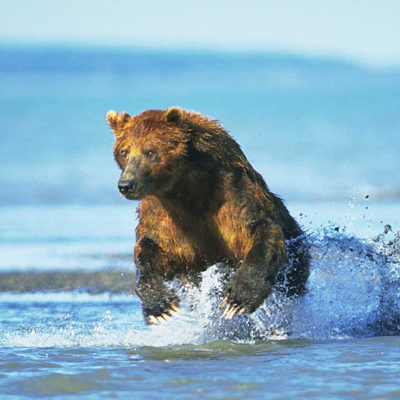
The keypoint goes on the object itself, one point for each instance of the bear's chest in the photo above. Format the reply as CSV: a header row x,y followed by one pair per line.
x,y
197,238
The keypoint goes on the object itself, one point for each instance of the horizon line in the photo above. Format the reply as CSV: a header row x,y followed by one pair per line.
x,y
224,50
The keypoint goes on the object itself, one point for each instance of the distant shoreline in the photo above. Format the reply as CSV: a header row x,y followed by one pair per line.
x,y
92,282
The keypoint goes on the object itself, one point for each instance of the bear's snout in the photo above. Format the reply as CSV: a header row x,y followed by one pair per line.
x,y
126,185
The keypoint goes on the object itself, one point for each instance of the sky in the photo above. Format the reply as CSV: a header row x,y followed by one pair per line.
x,y
363,30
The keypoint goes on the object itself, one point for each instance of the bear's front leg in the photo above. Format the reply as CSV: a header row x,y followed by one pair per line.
x,y
159,302
252,282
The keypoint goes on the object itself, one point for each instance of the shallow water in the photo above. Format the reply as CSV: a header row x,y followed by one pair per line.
x,y
99,348
339,341
360,368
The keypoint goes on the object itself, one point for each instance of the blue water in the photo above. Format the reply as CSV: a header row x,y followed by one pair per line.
x,y
315,128
324,134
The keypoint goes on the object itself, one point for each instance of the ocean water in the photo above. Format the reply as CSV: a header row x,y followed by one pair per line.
x,y
316,129
324,134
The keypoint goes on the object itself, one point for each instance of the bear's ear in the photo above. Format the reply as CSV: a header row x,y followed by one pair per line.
x,y
117,121
174,115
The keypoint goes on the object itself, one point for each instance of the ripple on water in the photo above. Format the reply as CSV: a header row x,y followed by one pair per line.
x,y
59,384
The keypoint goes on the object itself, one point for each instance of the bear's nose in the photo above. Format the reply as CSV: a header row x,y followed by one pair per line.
x,y
126,185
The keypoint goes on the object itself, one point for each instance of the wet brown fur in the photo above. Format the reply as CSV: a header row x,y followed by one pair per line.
x,y
201,203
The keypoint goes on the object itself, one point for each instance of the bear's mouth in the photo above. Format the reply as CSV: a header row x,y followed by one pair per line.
x,y
132,195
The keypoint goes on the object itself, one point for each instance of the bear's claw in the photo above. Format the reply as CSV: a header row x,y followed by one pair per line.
x,y
152,320
165,316
175,308
231,309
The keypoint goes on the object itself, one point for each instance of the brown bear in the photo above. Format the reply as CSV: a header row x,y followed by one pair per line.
x,y
202,203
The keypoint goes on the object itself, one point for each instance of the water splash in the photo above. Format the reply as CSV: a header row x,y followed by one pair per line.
x,y
353,291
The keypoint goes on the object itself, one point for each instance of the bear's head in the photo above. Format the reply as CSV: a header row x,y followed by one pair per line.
x,y
150,149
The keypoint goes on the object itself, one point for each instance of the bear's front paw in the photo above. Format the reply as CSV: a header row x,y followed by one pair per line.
x,y
158,305
246,291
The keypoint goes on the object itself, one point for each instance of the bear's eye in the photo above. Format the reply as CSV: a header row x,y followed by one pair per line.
x,y
149,153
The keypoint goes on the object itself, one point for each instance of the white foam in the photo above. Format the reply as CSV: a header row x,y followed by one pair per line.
x,y
65,297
